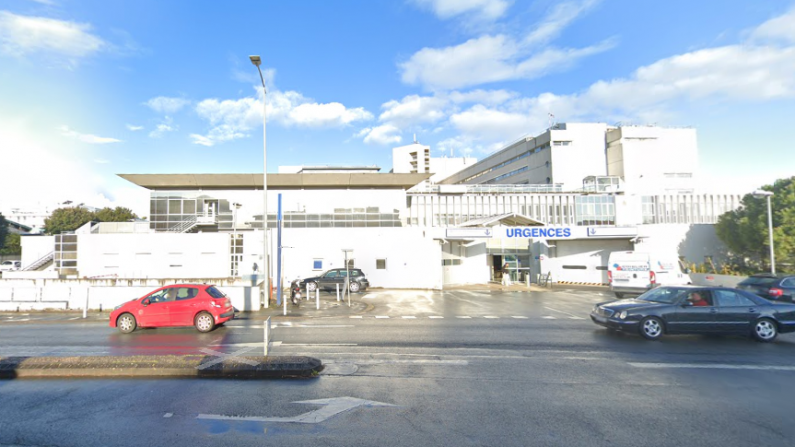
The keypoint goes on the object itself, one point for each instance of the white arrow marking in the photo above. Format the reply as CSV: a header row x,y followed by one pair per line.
x,y
330,407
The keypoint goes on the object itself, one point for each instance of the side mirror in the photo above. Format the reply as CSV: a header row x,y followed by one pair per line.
x,y
145,302
688,271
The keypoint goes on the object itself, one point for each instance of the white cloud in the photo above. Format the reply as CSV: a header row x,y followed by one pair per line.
x,y
781,28
413,110
163,128
485,9
45,2
494,58
384,134
234,118
134,128
86,138
101,161
21,35
165,104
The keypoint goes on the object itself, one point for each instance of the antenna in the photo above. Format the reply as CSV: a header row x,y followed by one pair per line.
x,y
415,138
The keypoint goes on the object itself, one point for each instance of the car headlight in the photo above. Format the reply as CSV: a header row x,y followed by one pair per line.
x,y
622,315
595,309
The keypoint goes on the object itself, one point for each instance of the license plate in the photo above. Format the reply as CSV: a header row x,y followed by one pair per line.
x,y
600,319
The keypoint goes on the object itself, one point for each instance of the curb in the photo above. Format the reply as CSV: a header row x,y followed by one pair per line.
x,y
160,366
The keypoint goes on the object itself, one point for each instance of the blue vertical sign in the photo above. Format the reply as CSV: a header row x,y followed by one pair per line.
x,y
279,253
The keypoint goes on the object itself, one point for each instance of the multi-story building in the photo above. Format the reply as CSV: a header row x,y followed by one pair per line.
x,y
557,203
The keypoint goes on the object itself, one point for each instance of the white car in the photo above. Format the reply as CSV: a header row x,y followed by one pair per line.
x,y
8,266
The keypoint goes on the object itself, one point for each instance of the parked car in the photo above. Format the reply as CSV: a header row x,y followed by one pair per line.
x,y
199,305
632,272
697,310
9,266
329,280
771,287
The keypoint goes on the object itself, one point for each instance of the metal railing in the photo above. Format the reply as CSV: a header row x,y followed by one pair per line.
x,y
492,189
40,262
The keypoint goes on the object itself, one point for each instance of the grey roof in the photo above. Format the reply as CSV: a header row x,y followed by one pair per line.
x,y
276,181
509,219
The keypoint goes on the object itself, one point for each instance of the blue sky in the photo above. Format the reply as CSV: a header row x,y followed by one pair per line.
x,y
90,89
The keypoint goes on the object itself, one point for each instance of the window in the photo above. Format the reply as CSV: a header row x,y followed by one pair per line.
x,y
333,274
215,293
446,262
727,298
317,264
186,293
789,282
380,264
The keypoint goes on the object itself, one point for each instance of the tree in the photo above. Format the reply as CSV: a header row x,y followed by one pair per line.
x,y
67,219
745,230
3,230
120,214
12,246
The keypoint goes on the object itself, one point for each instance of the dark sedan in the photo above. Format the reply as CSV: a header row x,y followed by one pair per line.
x,y
771,287
335,278
697,310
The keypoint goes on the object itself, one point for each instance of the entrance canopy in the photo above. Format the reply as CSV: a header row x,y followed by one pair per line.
x,y
508,220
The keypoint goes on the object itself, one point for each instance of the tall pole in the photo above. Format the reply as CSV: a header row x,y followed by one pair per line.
x,y
770,232
257,61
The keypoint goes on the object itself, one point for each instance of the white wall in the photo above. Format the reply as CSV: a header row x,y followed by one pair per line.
x,y
34,247
105,294
693,241
585,155
154,255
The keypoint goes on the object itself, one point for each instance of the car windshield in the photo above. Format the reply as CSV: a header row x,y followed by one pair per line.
x,y
758,281
667,295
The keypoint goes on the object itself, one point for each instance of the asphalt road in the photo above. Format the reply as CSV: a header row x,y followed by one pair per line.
x,y
467,367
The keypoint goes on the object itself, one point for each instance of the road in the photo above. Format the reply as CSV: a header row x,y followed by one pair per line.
x,y
463,367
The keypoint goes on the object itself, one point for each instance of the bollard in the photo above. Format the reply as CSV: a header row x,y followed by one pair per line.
x,y
317,300
85,308
267,335
338,292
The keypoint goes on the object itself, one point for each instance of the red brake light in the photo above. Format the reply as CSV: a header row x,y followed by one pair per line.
x,y
609,276
775,292
652,277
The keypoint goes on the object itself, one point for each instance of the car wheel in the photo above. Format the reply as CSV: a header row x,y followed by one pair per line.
x,y
311,287
651,328
204,322
619,295
354,287
765,330
126,323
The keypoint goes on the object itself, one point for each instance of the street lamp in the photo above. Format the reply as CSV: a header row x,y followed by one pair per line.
x,y
759,194
235,257
257,61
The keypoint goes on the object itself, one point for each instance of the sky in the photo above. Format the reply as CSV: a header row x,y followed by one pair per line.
x,y
91,89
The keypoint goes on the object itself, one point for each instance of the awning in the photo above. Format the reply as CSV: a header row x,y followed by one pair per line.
x,y
508,220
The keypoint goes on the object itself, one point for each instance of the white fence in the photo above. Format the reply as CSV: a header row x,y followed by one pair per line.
x,y
45,294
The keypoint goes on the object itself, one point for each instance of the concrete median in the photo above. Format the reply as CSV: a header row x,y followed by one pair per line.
x,y
161,366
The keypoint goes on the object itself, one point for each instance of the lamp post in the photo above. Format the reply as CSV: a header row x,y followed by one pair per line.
x,y
235,257
759,194
257,61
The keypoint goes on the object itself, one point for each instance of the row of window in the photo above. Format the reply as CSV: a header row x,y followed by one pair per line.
x,y
509,161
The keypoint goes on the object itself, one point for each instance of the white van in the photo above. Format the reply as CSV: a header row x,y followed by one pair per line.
x,y
635,272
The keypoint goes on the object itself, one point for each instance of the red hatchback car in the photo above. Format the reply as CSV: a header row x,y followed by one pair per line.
x,y
200,305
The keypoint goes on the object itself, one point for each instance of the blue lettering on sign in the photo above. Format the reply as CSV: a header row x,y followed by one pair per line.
x,y
539,232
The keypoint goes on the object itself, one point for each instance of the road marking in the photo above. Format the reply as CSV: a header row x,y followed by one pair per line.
x,y
316,344
330,407
369,296
168,415
435,316
75,318
382,316
409,317
462,316
519,317
355,316
490,317
712,366
549,317
571,316
322,326
404,362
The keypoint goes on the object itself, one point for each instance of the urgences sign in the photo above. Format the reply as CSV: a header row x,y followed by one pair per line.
x,y
539,232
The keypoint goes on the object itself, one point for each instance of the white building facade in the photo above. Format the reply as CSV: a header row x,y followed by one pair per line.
x,y
554,204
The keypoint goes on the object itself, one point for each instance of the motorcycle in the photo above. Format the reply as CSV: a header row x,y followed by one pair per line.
x,y
295,292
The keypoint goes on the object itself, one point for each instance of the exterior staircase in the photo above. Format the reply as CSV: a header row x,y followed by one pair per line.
x,y
41,262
